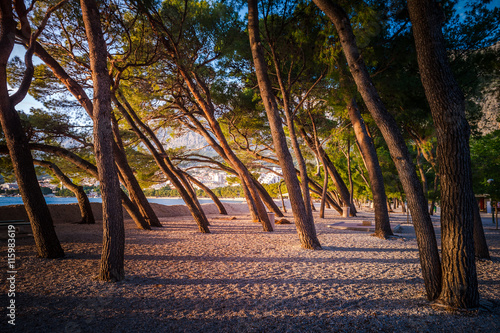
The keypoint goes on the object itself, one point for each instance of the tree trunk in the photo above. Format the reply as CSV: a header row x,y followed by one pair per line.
x,y
281,196
86,166
47,243
163,162
238,166
293,138
480,245
266,198
369,154
323,194
336,178
189,187
134,189
112,259
304,222
312,204
422,172
389,208
81,196
460,287
429,255
349,174
496,216
215,199
339,183
433,201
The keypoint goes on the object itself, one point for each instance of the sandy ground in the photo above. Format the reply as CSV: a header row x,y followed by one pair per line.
x,y
237,279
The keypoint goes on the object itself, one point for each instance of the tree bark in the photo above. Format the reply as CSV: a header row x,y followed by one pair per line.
x,y
281,196
421,171
211,194
164,163
433,201
369,154
47,243
238,166
112,258
266,198
460,287
81,196
336,178
86,166
303,221
134,189
429,255
293,138
323,194
480,246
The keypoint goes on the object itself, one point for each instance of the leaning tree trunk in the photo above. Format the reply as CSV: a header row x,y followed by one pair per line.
x,y
367,149
81,196
480,245
303,221
238,166
211,194
47,243
330,202
336,178
339,183
324,193
112,259
163,162
460,287
267,199
293,138
433,201
134,189
426,239
86,166
281,195
422,172
189,187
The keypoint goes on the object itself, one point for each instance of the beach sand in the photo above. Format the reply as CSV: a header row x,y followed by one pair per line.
x,y
237,279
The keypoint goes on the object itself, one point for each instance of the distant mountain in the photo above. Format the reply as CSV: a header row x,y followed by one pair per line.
x,y
490,105
190,140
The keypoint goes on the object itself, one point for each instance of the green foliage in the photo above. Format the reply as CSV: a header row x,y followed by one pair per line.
x,y
6,169
64,193
89,189
46,190
9,192
229,192
200,30
165,191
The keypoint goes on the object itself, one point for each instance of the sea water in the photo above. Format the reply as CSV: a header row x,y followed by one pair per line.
x,y
5,201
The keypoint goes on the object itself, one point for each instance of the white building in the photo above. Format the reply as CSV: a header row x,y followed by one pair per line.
x,y
271,177
9,186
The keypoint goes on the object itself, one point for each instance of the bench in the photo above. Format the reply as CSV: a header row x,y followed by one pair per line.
x,y
14,222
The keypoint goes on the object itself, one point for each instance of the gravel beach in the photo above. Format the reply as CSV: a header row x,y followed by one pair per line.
x,y
238,279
